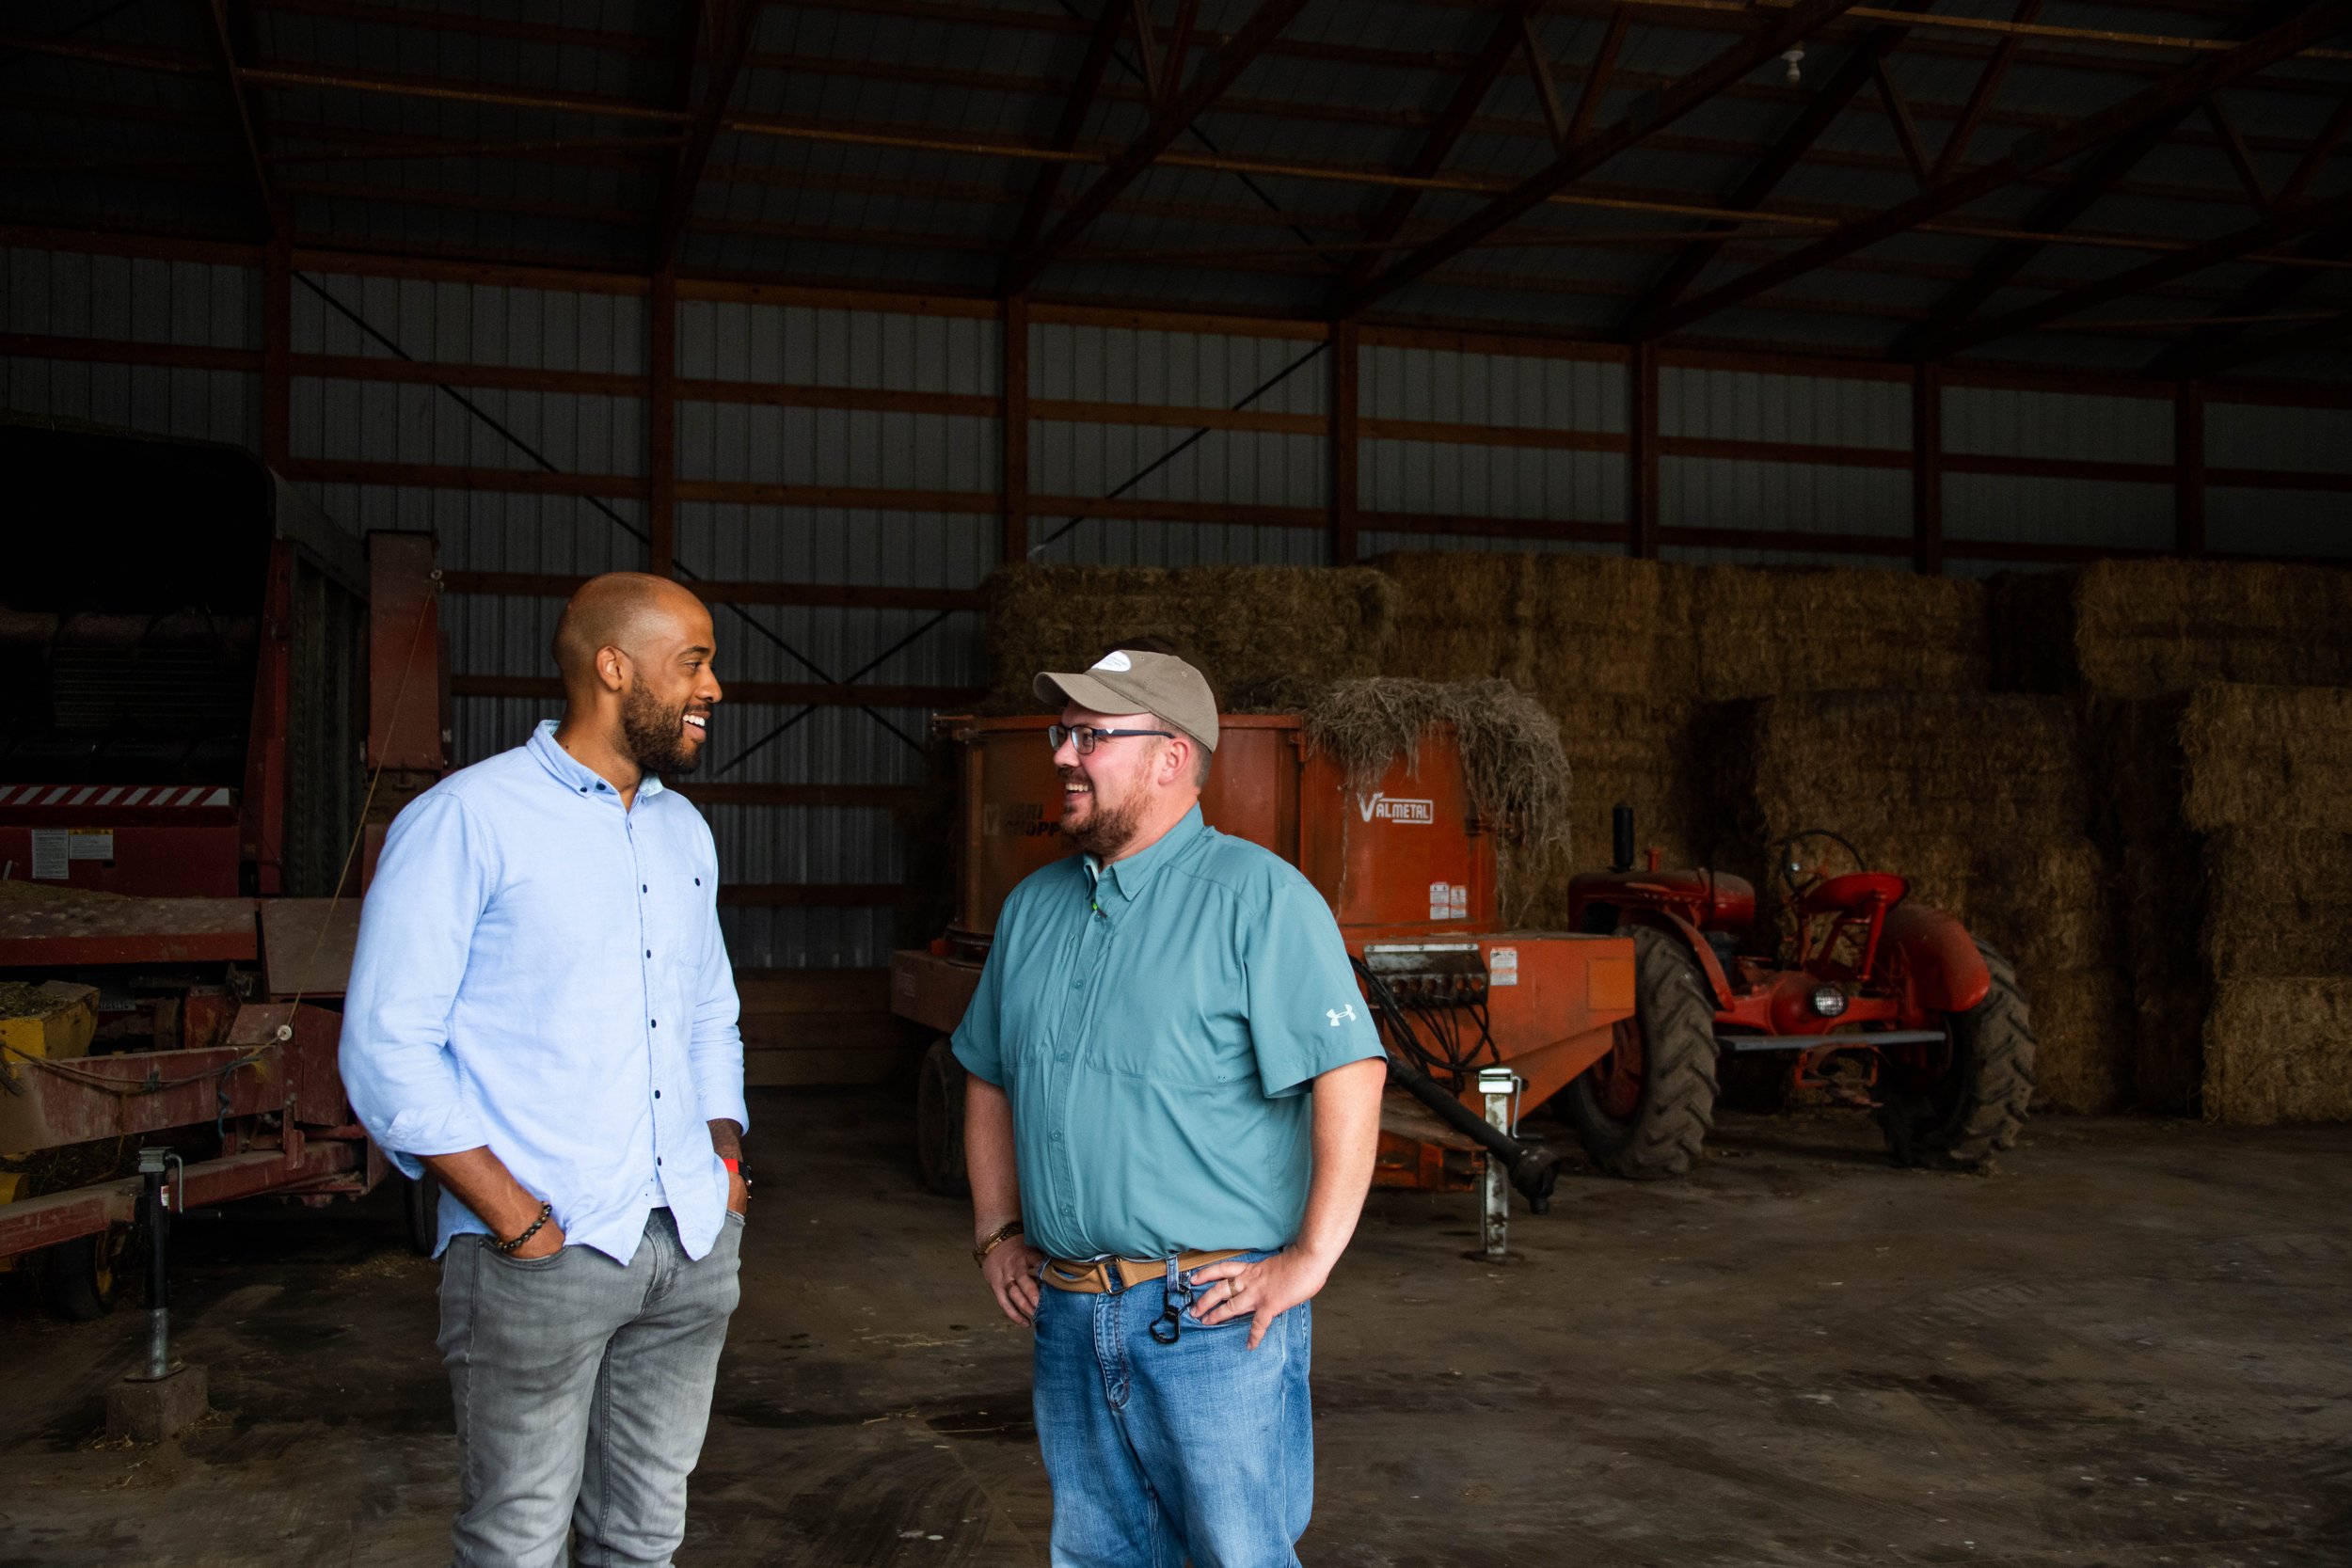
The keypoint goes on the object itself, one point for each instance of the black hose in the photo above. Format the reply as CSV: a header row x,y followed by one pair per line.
x,y
1534,1171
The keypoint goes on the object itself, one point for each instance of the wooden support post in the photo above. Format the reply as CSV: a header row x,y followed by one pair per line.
x,y
1342,422
1013,420
278,352
1927,471
2188,467
661,426
1641,451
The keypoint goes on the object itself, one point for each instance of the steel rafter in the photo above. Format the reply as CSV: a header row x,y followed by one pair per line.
x,y
1819,113
1077,103
733,23
2172,99
1470,90
2270,345
1652,114
2147,275
2057,213
1981,98
221,36
1222,70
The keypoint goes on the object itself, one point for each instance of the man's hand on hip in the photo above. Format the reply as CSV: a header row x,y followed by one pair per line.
x,y
1261,1291
1010,1271
739,1194
547,1243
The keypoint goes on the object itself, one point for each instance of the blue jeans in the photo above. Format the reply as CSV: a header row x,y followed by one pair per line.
x,y
583,1388
1201,1449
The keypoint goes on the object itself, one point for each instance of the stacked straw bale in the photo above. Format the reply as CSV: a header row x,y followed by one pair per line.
x,y
2145,629
2235,838
1773,633
1250,629
1982,802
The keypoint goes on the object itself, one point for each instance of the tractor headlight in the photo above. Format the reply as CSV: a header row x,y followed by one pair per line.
x,y
1829,1001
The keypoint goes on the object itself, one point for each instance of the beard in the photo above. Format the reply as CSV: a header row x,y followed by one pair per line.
x,y
655,733
1109,828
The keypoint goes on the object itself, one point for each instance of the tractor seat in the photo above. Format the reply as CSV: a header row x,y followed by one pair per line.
x,y
1854,892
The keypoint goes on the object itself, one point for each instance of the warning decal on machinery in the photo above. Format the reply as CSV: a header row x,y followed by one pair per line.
x,y
1502,966
49,854
1449,900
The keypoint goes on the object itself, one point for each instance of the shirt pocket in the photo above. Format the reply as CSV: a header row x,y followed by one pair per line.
x,y
1183,1043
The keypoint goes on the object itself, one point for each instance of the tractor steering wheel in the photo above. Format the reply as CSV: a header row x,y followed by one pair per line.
x,y
1799,878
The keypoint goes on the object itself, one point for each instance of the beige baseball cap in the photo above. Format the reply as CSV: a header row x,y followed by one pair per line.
x,y
1128,681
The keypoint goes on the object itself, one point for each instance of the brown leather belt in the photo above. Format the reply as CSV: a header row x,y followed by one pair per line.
x,y
1094,1279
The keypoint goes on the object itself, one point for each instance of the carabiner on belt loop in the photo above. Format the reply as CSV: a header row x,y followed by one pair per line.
x,y
1179,1297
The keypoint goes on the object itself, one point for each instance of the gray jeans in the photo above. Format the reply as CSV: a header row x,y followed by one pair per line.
x,y
584,1392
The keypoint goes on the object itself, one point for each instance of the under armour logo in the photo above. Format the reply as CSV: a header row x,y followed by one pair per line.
x,y
1341,1015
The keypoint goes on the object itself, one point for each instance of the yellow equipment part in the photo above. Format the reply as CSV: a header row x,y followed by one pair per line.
x,y
50,1021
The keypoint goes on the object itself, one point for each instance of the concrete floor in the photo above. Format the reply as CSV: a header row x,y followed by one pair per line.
x,y
2132,1346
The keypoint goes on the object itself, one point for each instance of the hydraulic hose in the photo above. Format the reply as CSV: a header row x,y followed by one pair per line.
x,y
1534,1171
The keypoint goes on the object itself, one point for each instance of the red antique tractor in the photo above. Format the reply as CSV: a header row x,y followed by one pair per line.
x,y
1873,998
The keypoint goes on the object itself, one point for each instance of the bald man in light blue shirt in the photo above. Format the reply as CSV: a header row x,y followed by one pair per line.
x,y
541,1013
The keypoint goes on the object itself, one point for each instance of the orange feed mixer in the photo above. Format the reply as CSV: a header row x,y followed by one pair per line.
x,y
1409,867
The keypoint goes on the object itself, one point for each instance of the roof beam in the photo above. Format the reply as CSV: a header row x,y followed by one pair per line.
x,y
2269,345
1223,69
1899,116
1785,154
2274,290
732,23
2163,269
2233,147
1981,97
1470,90
1077,103
2169,100
220,35
1653,112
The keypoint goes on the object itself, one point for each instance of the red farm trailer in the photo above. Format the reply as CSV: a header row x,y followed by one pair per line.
x,y
212,701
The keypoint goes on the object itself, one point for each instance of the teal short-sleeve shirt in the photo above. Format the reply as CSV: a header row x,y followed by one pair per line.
x,y
1154,1023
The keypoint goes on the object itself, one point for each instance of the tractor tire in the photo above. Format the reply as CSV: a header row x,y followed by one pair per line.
x,y
939,1122
421,1212
81,1279
1643,1110
1975,1108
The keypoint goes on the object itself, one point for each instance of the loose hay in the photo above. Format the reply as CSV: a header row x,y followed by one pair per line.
x,y
1246,629
1512,760
2280,1051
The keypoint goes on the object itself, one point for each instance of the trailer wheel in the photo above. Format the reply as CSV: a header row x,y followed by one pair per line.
x,y
1957,1110
1644,1109
81,1279
939,1121
421,1212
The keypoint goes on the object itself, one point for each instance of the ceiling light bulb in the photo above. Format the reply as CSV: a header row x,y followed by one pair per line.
x,y
1796,59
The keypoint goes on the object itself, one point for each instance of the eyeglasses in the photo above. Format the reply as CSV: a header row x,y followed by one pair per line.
x,y
1086,736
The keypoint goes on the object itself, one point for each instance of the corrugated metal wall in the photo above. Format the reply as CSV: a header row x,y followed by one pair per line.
x,y
185,304
1550,451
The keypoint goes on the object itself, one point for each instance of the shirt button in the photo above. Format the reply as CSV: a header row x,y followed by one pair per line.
x,y
655,1024
657,1094
649,952
657,1159
643,888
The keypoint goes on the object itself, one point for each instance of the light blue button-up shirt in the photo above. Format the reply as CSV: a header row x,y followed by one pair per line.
x,y
541,970
1155,1022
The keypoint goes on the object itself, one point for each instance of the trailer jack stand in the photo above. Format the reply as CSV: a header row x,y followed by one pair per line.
x,y
160,1400
1501,1087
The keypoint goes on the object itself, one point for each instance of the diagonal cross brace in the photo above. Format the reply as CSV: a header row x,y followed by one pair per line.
x,y
1223,69
2175,95
1652,113
1076,105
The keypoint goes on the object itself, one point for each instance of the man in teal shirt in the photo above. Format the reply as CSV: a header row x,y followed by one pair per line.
x,y
1174,1106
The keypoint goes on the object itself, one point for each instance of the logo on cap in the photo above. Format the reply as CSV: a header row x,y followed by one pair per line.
x,y
1114,660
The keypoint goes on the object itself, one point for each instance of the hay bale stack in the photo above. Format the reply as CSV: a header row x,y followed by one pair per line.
x,y
2234,843
2142,628
1981,801
2280,1051
1250,629
1776,633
